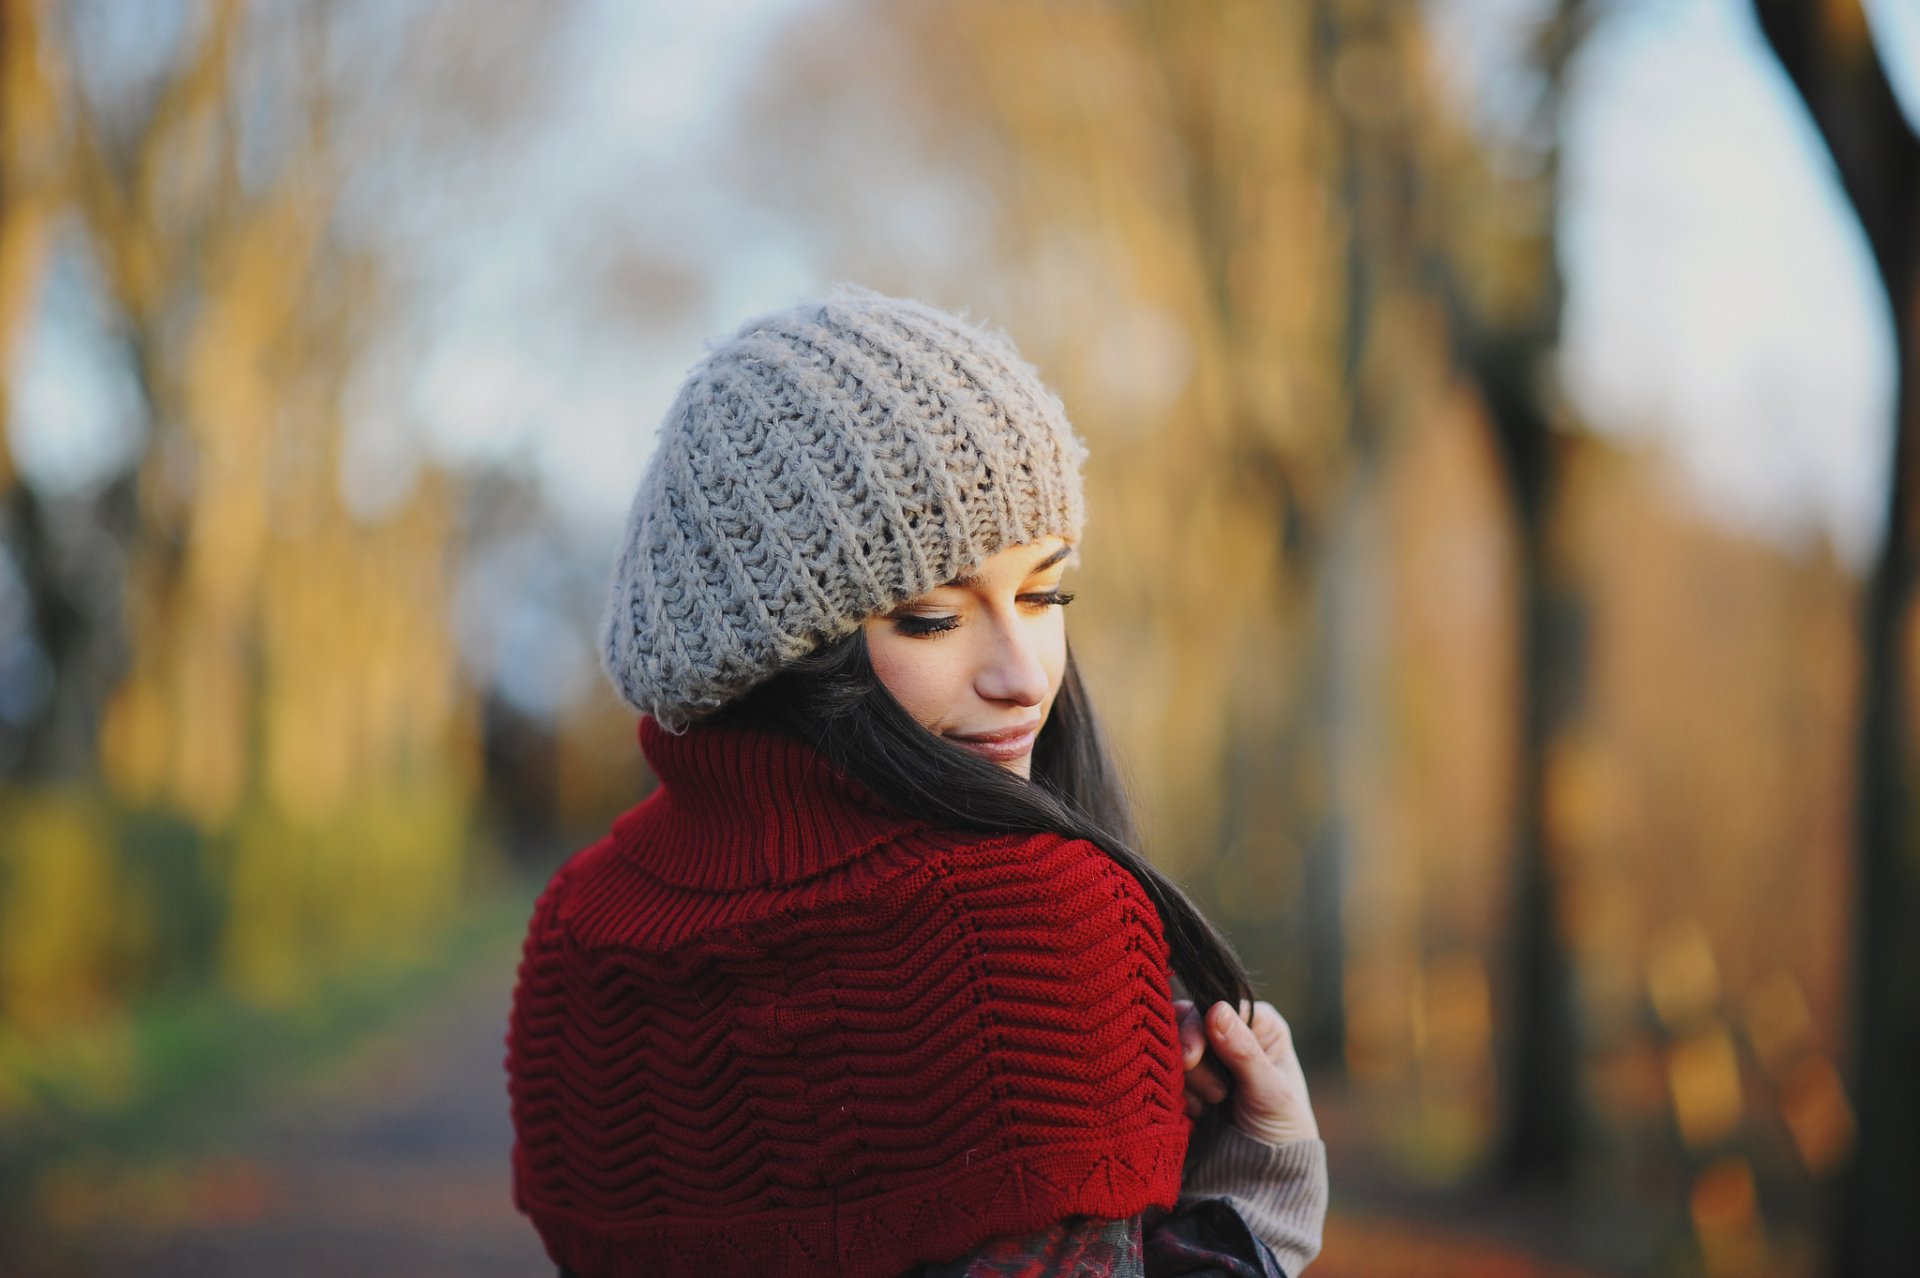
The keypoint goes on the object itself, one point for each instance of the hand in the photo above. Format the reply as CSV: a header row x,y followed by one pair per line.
x,y
1268,1088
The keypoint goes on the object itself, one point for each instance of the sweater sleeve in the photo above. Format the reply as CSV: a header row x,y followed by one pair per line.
x,y
1279,1190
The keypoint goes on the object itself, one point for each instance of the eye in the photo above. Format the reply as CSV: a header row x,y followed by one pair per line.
x,y
1048,599
916,626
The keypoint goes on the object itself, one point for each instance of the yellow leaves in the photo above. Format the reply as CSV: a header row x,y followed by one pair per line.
x,y
360,840
1369,83
26,129
136,741
1682,979
234,401
1812,1099
63,942
229,523
360,672
1419,1038
93,1063
1438,1014
30,126
377,879
1703,1067
313,635
1703,1075
1584,795
1457,1025
1380,1021
294,688
1726,1218
25,236
1778,1021
211,743
57,916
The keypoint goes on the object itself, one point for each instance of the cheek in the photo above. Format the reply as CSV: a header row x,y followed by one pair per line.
x,y
1053,654
922,675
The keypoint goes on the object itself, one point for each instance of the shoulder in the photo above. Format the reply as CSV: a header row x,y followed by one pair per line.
x,y
1064,938
1017,899
1070,883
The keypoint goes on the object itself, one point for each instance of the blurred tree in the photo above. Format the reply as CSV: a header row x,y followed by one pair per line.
x,y
1368,91
1451,256
1699,821
1827,52
1501,282
1294,453
243,181
62,653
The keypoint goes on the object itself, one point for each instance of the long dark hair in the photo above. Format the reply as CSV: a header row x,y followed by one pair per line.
x,y
833,699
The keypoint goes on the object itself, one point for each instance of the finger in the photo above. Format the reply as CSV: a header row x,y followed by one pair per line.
x,y
1205,1082
1241,1051
1271,1030
1194,1106
1270,1098
1193,1037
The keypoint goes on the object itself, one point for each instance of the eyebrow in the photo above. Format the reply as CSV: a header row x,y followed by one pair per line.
x,y
967,580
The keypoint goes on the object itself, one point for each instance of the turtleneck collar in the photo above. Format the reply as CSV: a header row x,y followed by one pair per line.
x,y
741,808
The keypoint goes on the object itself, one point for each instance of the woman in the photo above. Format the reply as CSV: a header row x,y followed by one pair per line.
x,y
873,983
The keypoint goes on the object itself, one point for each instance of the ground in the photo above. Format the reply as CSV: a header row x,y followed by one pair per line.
x,y
392,1163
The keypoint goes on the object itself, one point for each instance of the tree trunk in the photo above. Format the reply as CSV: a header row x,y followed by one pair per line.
x,y
1507,356
1827,52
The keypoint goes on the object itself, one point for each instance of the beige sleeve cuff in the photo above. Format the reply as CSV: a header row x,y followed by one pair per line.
x,y
1279,1190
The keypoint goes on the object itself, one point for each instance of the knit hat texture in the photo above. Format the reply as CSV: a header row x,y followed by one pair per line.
x,y
826,462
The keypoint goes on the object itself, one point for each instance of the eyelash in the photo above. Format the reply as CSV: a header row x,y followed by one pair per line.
x,y
918,627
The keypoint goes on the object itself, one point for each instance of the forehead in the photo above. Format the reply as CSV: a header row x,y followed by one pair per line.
x,y
1020,561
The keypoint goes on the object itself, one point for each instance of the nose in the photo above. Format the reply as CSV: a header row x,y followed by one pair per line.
x,y
1011,670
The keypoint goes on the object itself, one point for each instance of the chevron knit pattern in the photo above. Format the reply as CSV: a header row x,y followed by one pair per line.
x,y
768,1026
825,463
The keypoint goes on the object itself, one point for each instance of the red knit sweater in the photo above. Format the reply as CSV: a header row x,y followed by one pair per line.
x,y
769,1026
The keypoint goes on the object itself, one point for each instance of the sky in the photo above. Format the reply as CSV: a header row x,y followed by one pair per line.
x,y
1720,299
1725,301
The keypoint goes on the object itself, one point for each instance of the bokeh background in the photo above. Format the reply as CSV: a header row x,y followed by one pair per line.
x,y
1499,576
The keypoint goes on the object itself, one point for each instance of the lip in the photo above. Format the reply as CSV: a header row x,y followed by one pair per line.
x,y
1003,745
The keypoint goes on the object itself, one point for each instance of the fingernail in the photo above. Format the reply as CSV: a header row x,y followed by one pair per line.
x,y
1222,1016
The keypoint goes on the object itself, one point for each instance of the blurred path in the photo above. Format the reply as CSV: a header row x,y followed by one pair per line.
x,y
1383,1247
394,1165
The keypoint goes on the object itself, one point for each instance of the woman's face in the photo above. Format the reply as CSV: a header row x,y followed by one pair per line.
x,y
979,659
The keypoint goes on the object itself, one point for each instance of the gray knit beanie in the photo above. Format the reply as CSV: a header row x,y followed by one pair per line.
x,y
825,463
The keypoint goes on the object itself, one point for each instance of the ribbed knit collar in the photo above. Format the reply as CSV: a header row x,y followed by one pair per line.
x,y
741,808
